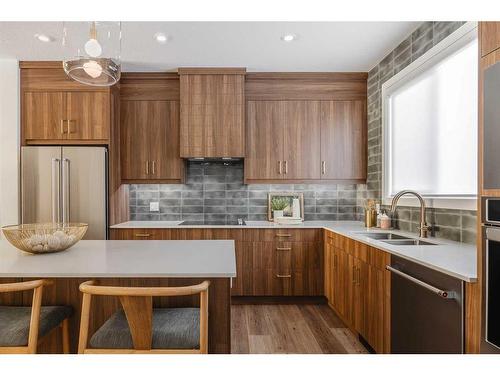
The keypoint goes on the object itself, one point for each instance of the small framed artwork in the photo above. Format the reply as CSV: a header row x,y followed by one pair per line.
x,y
285,205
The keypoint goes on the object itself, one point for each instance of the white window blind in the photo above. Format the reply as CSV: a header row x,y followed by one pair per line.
x,y
430,124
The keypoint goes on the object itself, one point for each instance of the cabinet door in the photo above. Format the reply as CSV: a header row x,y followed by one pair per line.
x,y
243,282
265,127
343,140
134,129
163,137
329,273
374,296
340,280
490,37
88,115
43,115
301,140
307,268
212,115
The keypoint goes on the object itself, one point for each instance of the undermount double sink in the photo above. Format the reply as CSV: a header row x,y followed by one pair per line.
x,y
396,239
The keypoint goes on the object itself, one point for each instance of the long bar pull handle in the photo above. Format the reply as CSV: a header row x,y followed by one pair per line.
x,y
147,166
323,167
442,293
142,235
283,249
283,235
55,190
286,166
65,190
153,165
279,167
283,276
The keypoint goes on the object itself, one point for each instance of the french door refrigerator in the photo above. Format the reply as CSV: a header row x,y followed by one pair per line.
x,y
65,184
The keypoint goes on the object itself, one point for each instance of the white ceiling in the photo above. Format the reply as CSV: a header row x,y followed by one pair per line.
x,y
321,46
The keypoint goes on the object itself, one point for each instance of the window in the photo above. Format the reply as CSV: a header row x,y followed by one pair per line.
x,y
430,122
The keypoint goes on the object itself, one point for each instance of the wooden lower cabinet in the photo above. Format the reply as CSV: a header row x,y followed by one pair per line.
x,y
269,262
358,289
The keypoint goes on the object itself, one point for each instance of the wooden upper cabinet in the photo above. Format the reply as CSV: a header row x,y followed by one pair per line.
x,y
489,33
265,128
56,109
212,110
343,140
306,127
43,115
134,140
301,136
150,141
149,128
87,115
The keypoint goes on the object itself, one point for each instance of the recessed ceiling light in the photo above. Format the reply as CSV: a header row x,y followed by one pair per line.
x,y
289,37
160,38
44,38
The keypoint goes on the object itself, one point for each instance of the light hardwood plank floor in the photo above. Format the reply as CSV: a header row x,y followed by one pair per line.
x,y
301,329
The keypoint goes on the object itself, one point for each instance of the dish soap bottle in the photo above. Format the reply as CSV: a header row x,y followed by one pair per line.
x,y
385,221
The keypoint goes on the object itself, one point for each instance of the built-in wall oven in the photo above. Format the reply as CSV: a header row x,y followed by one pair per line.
x,y
491,276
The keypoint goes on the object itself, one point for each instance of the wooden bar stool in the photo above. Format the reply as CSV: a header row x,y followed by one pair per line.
x,y
140,328
20,326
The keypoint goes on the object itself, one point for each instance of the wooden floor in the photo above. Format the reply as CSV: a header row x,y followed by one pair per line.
x,y
259,329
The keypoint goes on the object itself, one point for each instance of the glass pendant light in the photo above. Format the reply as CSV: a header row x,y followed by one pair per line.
x,y
92,52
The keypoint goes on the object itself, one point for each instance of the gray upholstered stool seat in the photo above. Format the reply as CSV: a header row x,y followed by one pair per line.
x,y
172,328
15,322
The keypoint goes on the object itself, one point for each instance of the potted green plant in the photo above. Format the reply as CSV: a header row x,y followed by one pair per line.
x,y
278,204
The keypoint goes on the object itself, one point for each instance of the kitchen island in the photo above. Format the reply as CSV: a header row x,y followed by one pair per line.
x,y
126,263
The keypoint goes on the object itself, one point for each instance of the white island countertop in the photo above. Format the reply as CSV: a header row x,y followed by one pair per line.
x,y
449,257
125,259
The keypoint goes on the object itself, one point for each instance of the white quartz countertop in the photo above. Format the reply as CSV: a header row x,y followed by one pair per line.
x,y
194,259
449,257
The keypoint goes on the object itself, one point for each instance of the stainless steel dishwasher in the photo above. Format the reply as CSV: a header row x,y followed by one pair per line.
x,y
427,310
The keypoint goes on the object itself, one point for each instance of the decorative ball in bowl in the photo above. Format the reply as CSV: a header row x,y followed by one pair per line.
x,y
44,238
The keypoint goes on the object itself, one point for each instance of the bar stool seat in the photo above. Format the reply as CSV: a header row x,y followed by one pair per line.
x,y
15,322
172,328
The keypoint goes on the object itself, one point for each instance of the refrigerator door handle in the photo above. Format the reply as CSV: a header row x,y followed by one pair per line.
x,y
56,163
65,190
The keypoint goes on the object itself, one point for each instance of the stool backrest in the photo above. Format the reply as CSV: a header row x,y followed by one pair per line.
x,y
137,303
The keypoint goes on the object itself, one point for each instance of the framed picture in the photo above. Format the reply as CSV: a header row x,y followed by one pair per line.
x,y
281,204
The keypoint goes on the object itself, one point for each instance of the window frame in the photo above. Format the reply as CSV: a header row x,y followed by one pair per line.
x,y
449,45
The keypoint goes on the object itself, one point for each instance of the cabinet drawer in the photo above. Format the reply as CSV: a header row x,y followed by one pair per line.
x,y
136,234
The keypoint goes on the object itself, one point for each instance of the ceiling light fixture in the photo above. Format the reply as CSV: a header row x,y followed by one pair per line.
x,y
92,59
289,37
160,38
44,38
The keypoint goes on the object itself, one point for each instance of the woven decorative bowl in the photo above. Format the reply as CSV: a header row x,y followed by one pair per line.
x,y
44,238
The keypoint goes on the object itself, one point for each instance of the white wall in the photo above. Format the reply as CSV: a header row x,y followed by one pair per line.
x,y
9,142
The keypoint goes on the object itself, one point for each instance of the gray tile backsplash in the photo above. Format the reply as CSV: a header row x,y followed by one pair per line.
x,y
458,225
214,192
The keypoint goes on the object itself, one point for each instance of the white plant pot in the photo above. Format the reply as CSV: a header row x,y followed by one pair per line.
x,y
277,213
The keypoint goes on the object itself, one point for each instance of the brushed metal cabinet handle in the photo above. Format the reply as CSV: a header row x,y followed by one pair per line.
x,y
353,274
142,235
62,127
147,167
323,167
279,166
286,166
153,164
283,276
68,124
283,248
283,235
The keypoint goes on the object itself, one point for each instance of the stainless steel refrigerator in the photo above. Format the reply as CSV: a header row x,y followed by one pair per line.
x,y
65,184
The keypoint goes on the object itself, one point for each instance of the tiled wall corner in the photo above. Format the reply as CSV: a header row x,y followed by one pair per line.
x,y
458,225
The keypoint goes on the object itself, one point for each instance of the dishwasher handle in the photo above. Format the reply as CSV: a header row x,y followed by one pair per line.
x,y
441,293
